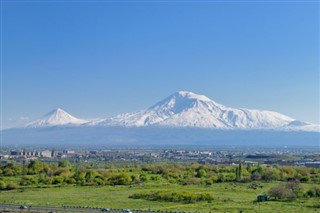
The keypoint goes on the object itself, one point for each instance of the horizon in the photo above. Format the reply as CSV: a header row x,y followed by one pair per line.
x,y
101,59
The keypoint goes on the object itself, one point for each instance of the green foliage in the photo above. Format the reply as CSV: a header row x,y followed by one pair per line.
x,y
28,181
290,190
120,179
185,197
11,169
34,167
269,174
38,174
3,185
313,192
11,186
143,178
65,164
201,173
239,177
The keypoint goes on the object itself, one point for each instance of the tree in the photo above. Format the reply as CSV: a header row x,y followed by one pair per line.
x,y
290,191
221,178
279,191
34,167
255,176
65,163
239,172
201,173
269,174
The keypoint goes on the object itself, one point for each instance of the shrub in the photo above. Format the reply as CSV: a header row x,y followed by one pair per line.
x,y
57,180
256,176
2,185
313,192
27,181
120,179
289,191
270,174
185,197
11,186
201,173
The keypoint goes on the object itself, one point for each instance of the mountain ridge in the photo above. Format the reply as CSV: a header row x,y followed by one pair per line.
x,y
186,109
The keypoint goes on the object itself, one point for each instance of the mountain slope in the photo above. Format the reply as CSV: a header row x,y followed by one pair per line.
x,y
186,109
56,117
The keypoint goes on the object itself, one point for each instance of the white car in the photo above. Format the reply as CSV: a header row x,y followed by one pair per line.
x,y
126,211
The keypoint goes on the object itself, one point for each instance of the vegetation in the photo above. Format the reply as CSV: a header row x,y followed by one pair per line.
x,y
185,197
63,173
187,187
290,190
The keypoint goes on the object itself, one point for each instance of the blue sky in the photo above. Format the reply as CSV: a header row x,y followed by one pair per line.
x,y
98,59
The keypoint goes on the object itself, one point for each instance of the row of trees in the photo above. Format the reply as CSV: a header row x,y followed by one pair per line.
x,y
38,173
211,173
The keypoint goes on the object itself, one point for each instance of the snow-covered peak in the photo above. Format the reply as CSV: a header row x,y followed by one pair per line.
x,y
191,95
56,117
187,109
183,100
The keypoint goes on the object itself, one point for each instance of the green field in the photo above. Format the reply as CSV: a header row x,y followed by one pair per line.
x,y
167,187
228,197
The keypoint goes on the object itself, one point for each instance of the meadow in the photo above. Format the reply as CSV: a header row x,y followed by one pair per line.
x,y
228,197
233,188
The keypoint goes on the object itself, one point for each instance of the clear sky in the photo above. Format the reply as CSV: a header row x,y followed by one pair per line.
x,y
101,58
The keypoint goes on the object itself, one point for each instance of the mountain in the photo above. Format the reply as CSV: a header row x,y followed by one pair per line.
x,y
56,117
187,109
182,119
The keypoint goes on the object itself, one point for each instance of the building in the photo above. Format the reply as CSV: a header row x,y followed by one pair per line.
x,y
46,154
315,164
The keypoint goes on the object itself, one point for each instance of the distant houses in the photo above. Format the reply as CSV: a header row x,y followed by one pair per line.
x,y
33,154
41,154
315,164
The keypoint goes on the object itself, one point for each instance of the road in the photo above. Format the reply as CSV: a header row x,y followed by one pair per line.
x,y
16,208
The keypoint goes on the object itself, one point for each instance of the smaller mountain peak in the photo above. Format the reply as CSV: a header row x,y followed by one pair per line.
x,y
58,110
56,117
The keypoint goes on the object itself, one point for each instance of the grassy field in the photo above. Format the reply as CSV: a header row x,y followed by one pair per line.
x,y
228,197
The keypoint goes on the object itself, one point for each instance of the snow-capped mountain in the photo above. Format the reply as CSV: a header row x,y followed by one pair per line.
x,y
186,109
56,117
214,124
